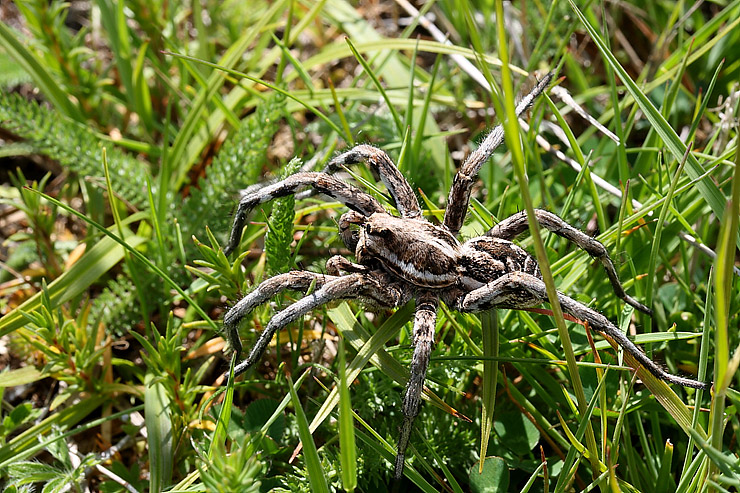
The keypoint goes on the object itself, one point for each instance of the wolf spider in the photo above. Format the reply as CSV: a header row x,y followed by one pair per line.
x,y
399,258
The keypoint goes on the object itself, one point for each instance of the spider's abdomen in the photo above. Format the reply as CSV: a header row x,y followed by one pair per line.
x,y
411,249
485,259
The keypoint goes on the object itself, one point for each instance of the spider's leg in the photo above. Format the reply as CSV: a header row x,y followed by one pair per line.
x,y
352,197
459,198
297,280
424,322
394,181
518,290
512,226
334,289
351,286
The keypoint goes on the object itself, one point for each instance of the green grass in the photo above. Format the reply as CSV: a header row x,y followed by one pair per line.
x,y
114,284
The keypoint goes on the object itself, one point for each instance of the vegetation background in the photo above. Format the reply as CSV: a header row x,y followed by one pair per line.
x,y
127,129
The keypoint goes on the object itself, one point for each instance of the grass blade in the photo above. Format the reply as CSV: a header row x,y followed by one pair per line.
x,y
159,433
310,454
347,446
489,323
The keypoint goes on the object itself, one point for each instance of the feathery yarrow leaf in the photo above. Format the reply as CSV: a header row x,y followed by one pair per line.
x,y
75,147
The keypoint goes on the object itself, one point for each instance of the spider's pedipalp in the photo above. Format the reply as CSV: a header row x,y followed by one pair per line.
x,y
423,336
352,197
513,226
338,264
349,237
394,181
518,290
459,197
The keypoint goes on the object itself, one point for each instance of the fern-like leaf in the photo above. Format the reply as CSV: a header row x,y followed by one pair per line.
x,y
280,231
237,165
75,147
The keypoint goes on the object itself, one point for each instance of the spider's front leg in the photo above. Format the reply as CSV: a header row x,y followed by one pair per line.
x,y
424,324
375,287
513,226
352,197
518,290
394,181
295,280
462,184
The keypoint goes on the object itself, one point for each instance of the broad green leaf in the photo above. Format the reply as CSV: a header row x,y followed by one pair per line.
x,y
492,478
159,433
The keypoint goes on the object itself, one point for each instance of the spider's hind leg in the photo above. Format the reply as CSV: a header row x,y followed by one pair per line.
x,y
518,290
352,197
424,324
513,226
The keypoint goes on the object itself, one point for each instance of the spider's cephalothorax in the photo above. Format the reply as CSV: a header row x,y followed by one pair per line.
x,y
403,257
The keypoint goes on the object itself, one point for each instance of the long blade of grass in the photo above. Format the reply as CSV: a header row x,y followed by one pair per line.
x,y
513,143
723,295
654,250
347,445
369,71
159,432
490,330
316,475
224,416
133,268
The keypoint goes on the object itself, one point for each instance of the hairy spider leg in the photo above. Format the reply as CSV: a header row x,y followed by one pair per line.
x,y
513,226
297,280
380,163
525,289
332,290
352,197
424,324
462,184
377,288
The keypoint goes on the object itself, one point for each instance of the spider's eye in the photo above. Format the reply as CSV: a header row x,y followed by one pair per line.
x,y
376,230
